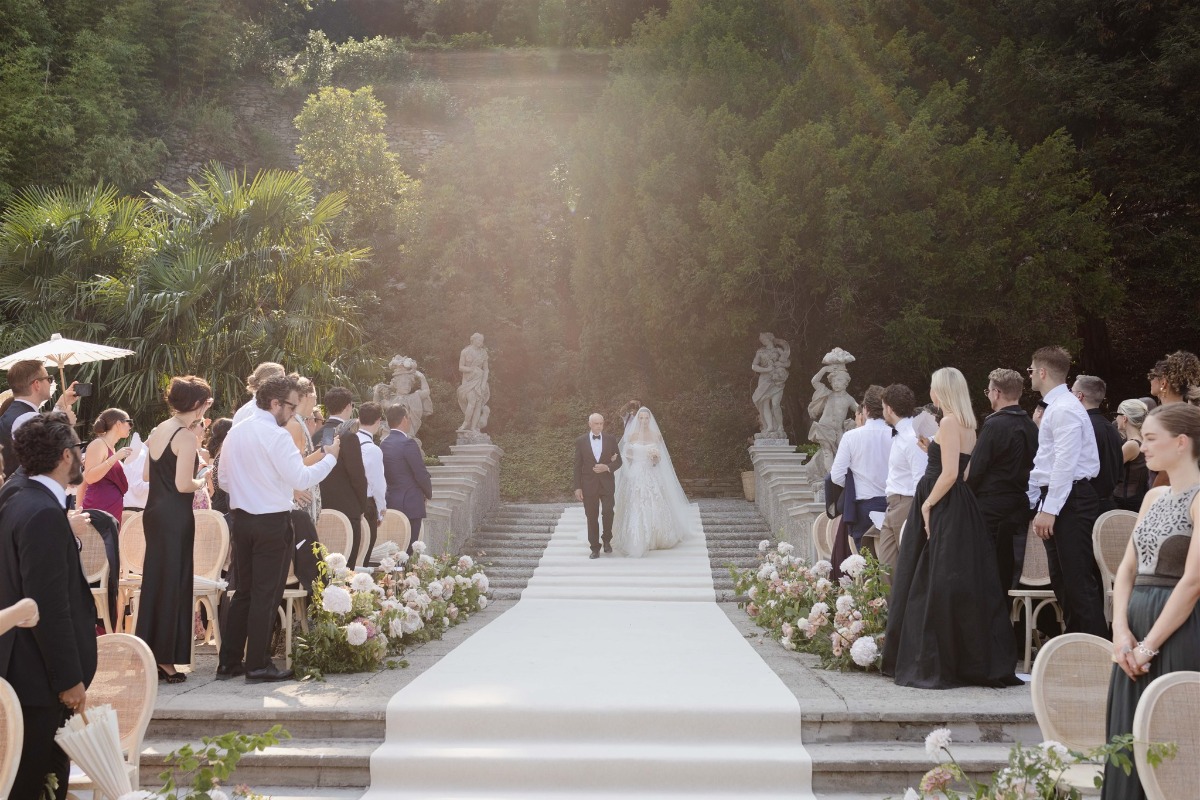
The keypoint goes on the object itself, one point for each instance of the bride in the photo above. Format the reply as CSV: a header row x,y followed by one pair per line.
x,y
652,512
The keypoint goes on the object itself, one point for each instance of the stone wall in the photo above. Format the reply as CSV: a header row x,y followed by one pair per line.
x,y
465,488
784,495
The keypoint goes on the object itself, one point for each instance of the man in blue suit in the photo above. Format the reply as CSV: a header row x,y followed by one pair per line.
x,y
408,482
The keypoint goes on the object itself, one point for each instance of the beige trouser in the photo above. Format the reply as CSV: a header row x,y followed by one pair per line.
x,y
888,548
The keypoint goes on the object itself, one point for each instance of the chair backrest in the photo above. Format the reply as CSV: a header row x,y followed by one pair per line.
x,y
211,544
93,556
126,679
395,528
1167,712
334,531
132,544
1035,570
818,534
1070,681
1110,538
12,736
831,529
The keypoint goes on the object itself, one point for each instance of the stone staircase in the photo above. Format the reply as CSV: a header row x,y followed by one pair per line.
x,y
510,543
733,529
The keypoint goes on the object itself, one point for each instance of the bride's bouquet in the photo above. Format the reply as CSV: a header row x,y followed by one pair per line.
x,y
654,454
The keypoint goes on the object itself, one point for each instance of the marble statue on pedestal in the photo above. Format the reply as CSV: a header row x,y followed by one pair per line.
x,y
832,410
771,362
408,387
474,392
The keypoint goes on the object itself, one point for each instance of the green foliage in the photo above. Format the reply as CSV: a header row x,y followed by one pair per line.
x,y
194,772
350,63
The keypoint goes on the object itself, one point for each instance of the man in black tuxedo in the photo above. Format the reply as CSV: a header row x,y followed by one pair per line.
x,y
596,459
51,664
346,489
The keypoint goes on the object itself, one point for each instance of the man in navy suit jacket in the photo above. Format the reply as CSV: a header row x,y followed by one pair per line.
x,y
408,482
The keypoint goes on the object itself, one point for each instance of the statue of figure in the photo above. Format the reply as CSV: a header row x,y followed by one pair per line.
x,y
771,362
474,393
410,388
832,409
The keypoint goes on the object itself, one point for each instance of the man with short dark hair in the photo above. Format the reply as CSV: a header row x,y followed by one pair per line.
x,y
906,464
261,468
408,482
999,472
370,419
1060,490
32,385
50,665
1091,392
346,489
864,452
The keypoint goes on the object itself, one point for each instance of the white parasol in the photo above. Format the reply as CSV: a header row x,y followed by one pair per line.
x,y
62,352
93,742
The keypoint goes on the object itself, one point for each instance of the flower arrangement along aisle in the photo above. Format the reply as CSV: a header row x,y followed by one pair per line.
x,y
360,619
796,602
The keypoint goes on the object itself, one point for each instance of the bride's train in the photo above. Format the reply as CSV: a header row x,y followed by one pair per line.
x,y
651,509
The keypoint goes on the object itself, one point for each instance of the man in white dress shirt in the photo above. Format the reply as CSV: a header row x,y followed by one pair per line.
x,y
260,468
865,452
906,465
267,369
370,419
1061,492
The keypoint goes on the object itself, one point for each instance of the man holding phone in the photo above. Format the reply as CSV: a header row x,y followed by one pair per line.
x,y
31,386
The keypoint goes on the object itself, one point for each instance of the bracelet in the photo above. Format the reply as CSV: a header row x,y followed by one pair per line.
x,y
1146,651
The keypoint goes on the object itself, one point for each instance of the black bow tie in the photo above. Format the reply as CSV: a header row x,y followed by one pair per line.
x,y
596,436
895,433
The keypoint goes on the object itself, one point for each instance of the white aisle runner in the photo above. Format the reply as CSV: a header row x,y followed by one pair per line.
x,y
610,678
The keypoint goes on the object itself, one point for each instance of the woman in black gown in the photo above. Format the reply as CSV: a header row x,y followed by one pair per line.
x,y
947,625
165,609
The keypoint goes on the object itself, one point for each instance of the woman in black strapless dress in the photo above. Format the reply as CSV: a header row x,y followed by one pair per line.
x,y
947,625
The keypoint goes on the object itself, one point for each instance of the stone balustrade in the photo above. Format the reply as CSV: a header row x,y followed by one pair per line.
x,y
784,495
465,488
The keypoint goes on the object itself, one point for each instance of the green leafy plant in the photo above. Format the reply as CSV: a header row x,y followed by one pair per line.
x,y
196,773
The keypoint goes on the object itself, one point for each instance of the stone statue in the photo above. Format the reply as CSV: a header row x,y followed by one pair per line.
x,y
409,388
771,362
832,410
474,392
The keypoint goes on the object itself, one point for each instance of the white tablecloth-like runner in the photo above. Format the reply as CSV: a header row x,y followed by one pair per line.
x,y
610,678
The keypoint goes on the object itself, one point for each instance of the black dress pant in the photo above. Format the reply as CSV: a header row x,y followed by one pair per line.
x,y
40,754
1007,518
1074,575
591,509
416,532
262,545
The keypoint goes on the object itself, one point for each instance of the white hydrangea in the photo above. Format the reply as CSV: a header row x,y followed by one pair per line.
x,y
411,623
435,589
412,582
864,651
822,568
341,573
764,572
335,561
480,580
445,622
401,558
418,547
336,600
844,603
818,610
387,564
362,582
854,565
483,601
396,626
409,596
462,580
785,548
426,560
752,593
465,563
356,634
937,741
217,794
389,604
1057,748
764,545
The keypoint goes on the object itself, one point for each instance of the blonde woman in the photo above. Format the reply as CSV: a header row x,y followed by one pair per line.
x,y
1135,477
947,624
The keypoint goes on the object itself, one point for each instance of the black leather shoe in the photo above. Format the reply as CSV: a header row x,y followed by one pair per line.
x,y
607,547
595,554
268,675
225,673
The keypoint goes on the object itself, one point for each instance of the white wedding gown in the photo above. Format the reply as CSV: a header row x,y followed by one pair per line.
x,y
650,507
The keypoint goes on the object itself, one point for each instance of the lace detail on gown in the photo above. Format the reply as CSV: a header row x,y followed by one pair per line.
x,y
645,519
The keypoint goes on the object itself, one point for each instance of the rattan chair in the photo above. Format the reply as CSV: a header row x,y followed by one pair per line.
x,y
209,552
334,531
126,679
820,523
94,559
1035,573
1069,687
395,528
1110,538
295,600
12,736
131,543
1167,712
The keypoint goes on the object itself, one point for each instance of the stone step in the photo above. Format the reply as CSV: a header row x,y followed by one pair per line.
x,y
524,542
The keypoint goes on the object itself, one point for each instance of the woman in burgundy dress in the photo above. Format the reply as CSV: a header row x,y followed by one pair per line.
x,y
104,482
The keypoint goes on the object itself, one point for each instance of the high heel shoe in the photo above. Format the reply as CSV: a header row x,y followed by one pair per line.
x,y
171,677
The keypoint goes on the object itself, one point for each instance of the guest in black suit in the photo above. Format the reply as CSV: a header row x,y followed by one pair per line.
x,y
31,386
51,664
408,481
1091,392
345,489
597,458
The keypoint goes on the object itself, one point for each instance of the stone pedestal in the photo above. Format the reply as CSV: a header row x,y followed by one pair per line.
x,y
784,494
473,437
465,488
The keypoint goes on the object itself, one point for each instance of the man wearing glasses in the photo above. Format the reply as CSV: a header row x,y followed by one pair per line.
x,y
31,386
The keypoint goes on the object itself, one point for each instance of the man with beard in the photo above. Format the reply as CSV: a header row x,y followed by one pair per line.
x,y
51,664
